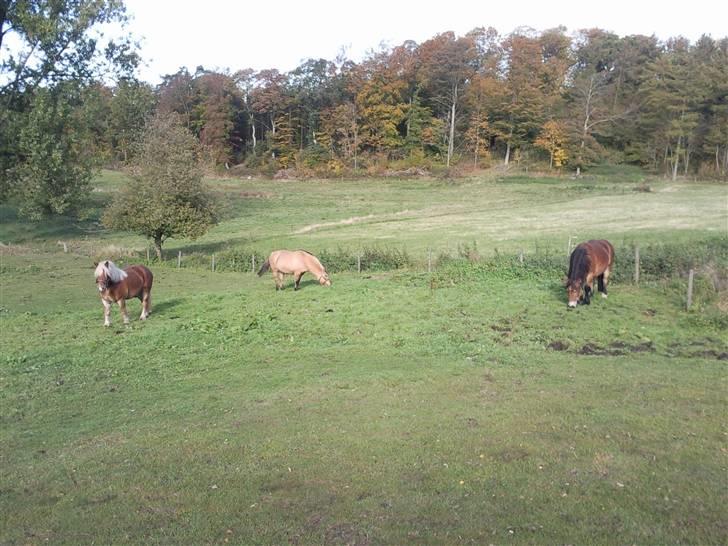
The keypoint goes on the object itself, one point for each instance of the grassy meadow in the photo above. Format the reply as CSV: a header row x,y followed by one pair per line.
x,y
465,405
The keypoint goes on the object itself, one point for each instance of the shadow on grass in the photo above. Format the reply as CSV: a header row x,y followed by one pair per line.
x,y
19,230
165,305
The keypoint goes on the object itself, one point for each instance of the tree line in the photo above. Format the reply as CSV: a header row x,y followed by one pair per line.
x,y
567,101
471,100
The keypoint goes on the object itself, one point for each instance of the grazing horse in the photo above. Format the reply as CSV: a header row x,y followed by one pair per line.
x,y
589,260
296,263
118,285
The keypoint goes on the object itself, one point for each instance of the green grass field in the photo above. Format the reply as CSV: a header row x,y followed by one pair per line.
x,y
468,405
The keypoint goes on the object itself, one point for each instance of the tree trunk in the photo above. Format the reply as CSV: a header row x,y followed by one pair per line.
x,y
409,120
717,159
585,127
273,130
677,159
356,135
687,160
252,131
508,147
477,149
450,144
158,246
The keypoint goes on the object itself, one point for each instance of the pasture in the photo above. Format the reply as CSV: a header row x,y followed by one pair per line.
x,y
465,405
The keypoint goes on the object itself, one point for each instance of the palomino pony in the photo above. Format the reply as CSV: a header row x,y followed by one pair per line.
x,y
296,263
589,260
118,285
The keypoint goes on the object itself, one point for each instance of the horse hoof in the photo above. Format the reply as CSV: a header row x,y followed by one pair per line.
x,y
604,296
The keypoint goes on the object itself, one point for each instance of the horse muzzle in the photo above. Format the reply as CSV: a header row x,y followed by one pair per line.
x,y
572,303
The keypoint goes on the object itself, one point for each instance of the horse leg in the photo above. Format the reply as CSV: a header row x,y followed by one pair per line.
x,y
605,276
122,308
297,280
588,290
146,305
107,312
278,276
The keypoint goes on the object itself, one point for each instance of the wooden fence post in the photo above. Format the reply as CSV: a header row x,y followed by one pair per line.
x,y
429,260
213,262
637,264
520,257
147,254
179,259
252,261
358,263
691,274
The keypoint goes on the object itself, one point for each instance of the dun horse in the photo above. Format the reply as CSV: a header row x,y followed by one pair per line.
x,y
118,285
589,260
296,263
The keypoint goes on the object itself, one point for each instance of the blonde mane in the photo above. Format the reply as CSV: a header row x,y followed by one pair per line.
x,y
112,272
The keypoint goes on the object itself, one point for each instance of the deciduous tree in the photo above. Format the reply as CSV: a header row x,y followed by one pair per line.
x,y
166,196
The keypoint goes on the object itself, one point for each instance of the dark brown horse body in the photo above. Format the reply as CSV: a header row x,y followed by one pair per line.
x,y
118,285
296,263
589,260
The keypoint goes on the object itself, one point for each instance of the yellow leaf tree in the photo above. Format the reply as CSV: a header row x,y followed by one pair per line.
x,y
552,138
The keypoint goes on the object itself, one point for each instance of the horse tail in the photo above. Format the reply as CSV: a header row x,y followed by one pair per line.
x,y
266,267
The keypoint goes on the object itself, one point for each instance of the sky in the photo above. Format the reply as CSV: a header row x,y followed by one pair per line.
x,y
235,34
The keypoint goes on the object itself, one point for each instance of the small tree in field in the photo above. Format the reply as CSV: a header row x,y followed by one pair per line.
x,y
553,139
166,196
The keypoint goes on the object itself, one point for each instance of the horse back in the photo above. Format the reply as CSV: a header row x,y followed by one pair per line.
x,y
139,279
288,261
602,255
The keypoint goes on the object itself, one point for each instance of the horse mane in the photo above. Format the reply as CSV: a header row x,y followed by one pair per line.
x,y
579,264
110,269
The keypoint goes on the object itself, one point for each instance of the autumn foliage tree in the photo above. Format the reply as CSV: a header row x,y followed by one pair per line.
x,y
553,138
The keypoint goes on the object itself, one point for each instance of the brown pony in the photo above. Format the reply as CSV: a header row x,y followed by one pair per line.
x,y
118,285
590,260
296,263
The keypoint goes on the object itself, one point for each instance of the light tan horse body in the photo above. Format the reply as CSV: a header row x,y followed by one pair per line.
x,y
296,263
118,285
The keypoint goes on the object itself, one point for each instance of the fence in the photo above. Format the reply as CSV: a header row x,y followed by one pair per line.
x,y
635,263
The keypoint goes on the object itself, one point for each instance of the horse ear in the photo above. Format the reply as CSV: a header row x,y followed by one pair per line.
x,y
565,280
106,263
96,264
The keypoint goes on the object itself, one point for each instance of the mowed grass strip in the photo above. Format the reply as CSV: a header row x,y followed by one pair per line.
x,y
387,409
508,213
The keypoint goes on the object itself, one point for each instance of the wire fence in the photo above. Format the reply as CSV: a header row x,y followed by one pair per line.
x,y
634,262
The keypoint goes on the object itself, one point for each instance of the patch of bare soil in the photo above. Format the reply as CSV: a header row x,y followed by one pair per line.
x,y
558,345
616,348
255,194
349,221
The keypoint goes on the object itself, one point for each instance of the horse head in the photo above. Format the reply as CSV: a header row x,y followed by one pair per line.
x,y
573,291
103,280
324,279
